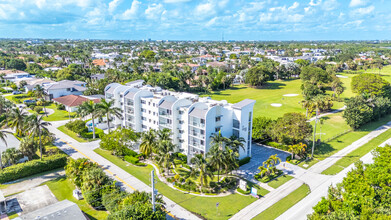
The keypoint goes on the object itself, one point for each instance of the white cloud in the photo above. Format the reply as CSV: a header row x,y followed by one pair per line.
x,y
294,6
355,3
131,13
315,2
175,1
154,11
330,5
354,24
205,9
363,11
113,5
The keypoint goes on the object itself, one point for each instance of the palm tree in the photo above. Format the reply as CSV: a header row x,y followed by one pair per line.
x,y
107,108
262,171
164,155
219,140
16,119
89,108
148,142
275,160
201,170
292,149
28,147
11,156
3,135
40,93
216,158
164,134
268,163
36,125
235,143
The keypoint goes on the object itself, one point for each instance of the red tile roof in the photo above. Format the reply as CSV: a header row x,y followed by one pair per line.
x,y
73,100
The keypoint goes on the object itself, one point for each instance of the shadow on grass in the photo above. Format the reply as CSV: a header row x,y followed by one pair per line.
x,y
272,85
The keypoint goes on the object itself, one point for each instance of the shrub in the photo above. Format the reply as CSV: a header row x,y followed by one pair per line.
x,y
133,160
244,161
38,109
40,103
93,197
278,145
267,178
77,126
129,152
60,107
243,192
32,167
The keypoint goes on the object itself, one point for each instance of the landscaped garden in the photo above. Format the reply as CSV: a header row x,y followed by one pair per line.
x,y
78,130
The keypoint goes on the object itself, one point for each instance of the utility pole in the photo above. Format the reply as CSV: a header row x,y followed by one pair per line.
x,y
313,142
153,189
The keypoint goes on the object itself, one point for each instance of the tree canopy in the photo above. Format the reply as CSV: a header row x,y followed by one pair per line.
x,y
370,83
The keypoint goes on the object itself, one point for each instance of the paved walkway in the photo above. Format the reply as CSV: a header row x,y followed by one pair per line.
x,y
24,185
328,113
301,209
129,182
317,182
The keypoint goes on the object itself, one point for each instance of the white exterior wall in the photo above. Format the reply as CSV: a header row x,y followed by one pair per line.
x,y
152,110
62,92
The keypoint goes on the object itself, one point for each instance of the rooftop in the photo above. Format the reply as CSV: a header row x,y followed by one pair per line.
x,y
73,100
63,210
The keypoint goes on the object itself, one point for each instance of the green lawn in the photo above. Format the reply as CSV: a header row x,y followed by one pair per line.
x,y
327,149
58,115
330,126
275,183
271,93
206,206
284,204
71,134
357,154
62,188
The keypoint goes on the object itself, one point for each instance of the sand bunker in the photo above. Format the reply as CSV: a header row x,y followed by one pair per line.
x,y
276,104
340,76
290,95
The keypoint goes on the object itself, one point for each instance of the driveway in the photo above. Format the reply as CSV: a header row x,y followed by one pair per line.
x,y
260,153
11,140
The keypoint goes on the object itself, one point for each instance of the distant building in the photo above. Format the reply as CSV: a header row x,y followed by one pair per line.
x,y
63,88
192,120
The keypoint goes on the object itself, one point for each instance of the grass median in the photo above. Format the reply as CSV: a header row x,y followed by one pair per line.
x,y
277,182
284,204
204,206
355,155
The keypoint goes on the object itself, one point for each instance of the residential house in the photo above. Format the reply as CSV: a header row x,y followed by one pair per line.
x,y
72,102
63,88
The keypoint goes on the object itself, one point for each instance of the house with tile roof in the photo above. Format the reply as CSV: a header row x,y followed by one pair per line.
x,y
72,102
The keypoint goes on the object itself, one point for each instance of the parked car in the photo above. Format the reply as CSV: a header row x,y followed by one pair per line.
x,y
16,92
29,102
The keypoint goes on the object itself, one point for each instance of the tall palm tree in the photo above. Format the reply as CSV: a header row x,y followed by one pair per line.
x,y
235,143
36,125
148,142
164,134
217,159
107,108
219,140
40,93
201,170
16,119
3,135
89,108
164,156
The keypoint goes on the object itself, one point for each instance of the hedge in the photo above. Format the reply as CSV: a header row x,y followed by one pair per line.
x,y
32,167
88,135
133,160
244,161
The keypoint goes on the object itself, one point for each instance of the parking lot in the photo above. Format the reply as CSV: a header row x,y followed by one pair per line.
x,y
260,153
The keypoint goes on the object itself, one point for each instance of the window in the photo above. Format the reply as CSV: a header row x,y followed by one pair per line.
x,y
235,132
181,131
143,110
249,116
150,120
202,142
218,118
202,121
181,112
121,96
217,129
143,118
153,104
145,127
143,102
202,132
149,103
236,123
149,112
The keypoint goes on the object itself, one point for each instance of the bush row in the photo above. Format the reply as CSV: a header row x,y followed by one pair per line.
x,y
134,161
32,167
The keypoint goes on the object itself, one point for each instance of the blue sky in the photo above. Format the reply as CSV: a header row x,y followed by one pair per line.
x,y
196,19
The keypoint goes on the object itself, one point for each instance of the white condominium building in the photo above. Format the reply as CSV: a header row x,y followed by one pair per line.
x,y
192,119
